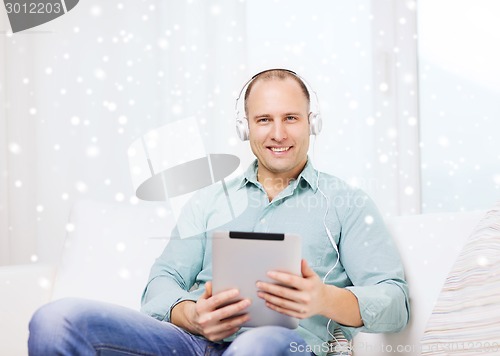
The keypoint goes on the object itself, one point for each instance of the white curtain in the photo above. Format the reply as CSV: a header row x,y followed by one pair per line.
x,y
4,237
460,87
79,90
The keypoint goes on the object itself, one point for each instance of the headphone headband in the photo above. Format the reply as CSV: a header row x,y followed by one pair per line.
x,y
315,121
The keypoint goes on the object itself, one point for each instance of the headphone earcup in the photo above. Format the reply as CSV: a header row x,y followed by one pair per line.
x,y
242,129
315,123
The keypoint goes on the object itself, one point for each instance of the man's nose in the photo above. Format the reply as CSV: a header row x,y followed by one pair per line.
x,y
279,131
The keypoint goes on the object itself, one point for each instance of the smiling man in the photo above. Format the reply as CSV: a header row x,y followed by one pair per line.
x,y
351,275
277,104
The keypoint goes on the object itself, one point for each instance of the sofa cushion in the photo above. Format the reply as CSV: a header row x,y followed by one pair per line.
x,y
429,245
465,319
24,288
109,250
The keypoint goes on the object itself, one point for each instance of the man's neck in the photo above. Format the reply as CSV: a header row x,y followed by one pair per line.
x,y
274,183
273,186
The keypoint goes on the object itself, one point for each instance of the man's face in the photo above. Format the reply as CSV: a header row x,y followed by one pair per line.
x,y
279,127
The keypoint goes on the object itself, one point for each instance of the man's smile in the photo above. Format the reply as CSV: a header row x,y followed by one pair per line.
x,y
279,149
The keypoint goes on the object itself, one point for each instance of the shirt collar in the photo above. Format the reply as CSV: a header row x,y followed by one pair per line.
x,y
308,174
250,175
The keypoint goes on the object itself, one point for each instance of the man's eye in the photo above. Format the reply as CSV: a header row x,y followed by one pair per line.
x,y
291,118
263,120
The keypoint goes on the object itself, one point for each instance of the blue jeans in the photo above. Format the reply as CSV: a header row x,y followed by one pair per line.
x,y
83,327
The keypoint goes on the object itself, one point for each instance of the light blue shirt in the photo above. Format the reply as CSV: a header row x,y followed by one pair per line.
x,y
369,266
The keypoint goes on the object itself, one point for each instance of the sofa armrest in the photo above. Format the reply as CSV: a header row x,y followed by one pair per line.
x,y
24,288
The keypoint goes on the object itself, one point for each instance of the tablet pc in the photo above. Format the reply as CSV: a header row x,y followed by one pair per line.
x,y
240,259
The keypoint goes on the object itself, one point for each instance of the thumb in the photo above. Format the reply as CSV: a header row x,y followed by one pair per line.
x,y
306,270
208,291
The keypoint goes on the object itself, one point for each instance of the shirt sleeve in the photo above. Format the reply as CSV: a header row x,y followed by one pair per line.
x,y
173,275
372,262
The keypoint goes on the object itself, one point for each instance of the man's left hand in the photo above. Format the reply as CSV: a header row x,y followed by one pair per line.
x,y
298,296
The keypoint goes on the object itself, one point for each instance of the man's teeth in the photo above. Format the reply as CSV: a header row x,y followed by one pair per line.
x,y
279,149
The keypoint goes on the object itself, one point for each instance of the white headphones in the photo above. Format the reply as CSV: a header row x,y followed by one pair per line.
x,y
315,121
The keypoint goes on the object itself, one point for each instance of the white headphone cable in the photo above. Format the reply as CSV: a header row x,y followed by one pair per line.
x,y
330,237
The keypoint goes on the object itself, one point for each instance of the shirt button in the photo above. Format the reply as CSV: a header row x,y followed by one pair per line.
x,y
262,221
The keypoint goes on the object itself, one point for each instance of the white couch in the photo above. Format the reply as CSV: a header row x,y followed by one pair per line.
x,y
108,255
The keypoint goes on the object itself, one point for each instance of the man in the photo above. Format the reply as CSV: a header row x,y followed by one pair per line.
x,y
365,290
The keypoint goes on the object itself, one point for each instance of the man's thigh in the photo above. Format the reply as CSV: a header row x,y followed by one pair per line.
x,y
268,340
80,326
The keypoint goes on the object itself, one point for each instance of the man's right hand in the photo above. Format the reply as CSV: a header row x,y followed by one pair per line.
x,y
208,317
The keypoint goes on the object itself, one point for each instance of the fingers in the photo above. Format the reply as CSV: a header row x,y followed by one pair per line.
x,y
287,279
220,315
294,311
222,298
209,302
231,310
292,280
286,306
208,289
223,329
297,296
306,270
284,300
281,291
223,322
224,312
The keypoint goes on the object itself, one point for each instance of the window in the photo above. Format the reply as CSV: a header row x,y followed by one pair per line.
x,y
459,75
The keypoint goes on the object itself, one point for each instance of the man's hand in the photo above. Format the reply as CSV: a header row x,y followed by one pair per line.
x,y
297,296
208,317
303,297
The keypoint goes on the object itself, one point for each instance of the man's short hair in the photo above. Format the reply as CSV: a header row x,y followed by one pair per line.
x,y
280,74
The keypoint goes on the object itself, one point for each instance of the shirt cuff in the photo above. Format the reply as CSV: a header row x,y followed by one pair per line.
x,y
382,307
168,316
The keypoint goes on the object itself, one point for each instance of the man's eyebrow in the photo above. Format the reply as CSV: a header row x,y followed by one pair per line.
x,y
284,115
260,116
